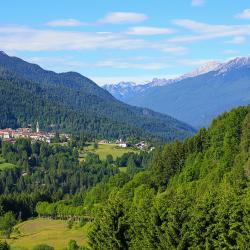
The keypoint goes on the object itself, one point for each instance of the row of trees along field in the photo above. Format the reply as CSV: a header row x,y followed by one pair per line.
x,y
72,245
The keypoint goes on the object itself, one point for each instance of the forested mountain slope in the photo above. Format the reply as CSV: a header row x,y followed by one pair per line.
x,y
72,102
193,195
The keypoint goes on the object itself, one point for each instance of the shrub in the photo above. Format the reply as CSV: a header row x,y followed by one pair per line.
x,y
4,245
43,247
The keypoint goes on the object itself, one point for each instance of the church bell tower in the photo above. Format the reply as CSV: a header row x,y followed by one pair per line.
x,y
37,127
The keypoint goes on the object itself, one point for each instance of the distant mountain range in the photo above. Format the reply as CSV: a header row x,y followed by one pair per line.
x,y
196,97
73,103
126,90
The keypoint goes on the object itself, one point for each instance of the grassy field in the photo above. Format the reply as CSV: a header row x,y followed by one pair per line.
x,y
44,231
105,149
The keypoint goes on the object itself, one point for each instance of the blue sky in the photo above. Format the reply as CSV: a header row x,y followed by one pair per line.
x,y
125,40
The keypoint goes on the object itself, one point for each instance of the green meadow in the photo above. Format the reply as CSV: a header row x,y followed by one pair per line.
x,y
107,149
44,231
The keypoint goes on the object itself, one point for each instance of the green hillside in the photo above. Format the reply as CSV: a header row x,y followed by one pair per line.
x,y
194,195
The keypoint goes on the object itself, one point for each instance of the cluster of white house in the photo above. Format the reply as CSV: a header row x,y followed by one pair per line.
x,y
119,143
141,145
9,134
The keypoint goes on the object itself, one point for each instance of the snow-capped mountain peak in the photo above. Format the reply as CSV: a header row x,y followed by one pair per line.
x,y
203,69
159,82
3,53
126,84
235,63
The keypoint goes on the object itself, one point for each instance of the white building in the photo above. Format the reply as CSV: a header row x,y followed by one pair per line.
x,y
123,144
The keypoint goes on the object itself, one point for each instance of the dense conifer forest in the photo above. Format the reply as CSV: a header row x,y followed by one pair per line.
x,y
193,195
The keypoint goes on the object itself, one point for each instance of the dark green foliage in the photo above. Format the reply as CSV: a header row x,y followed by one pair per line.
x,y
72,245
4,245
7,222
73,103
193,195
109,159
111,231
43,247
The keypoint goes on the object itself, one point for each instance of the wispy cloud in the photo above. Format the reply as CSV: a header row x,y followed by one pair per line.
x,y
229,52
58,62
197,2
195,62
120,64
28,39
203,31
245,14
149,31
110,18
237,40
114,63
65,23
14,38
177,50
123,17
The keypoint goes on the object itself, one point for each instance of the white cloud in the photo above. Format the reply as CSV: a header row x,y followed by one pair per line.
x,y
195,62
229,52
68,63
178,50
110,18
197,2
58,62
237,40
205,31
148,31
37,40
13,38
245,14
123,17
65,23
120,64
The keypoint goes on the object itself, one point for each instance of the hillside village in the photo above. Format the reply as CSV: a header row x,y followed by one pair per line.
x,y
10,135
